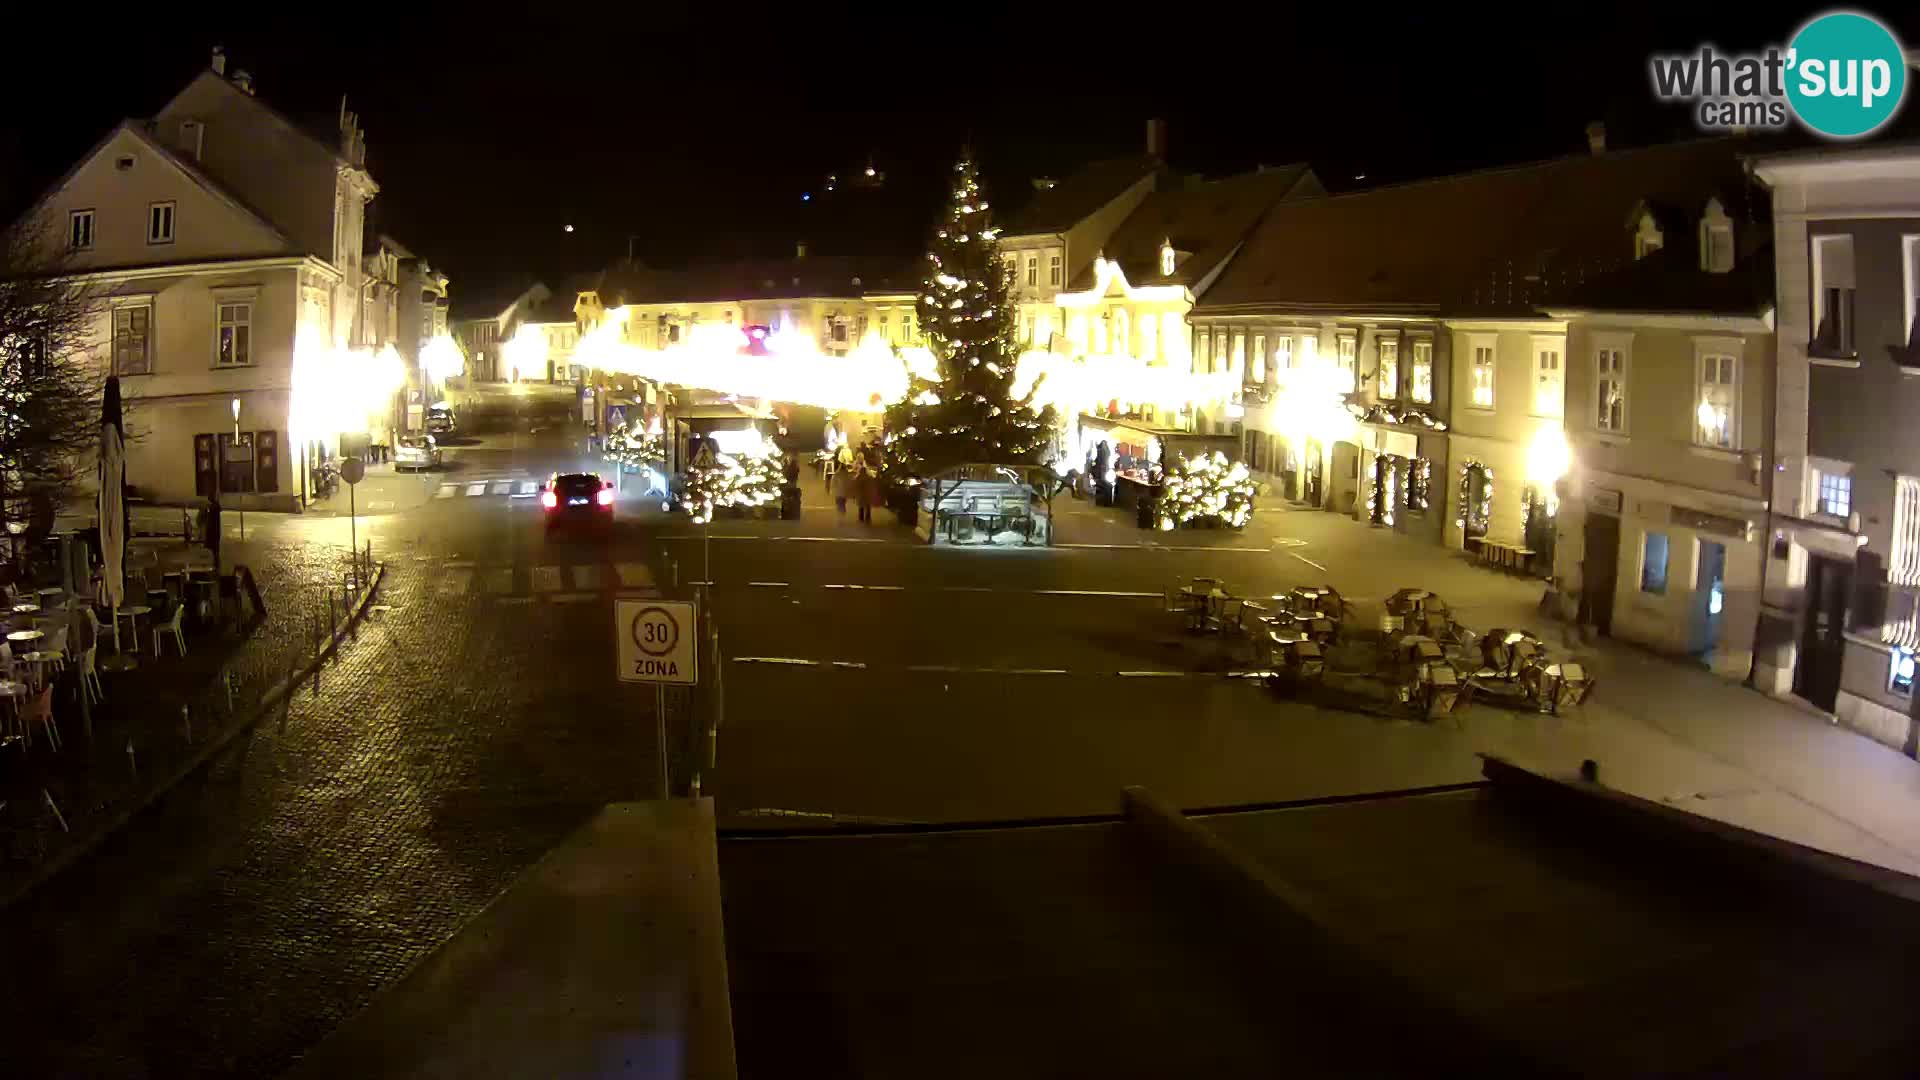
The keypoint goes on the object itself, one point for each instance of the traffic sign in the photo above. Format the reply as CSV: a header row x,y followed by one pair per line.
x,y
655,641
353,470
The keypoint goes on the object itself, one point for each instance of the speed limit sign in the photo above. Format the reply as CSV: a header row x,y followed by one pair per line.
x,y
655,641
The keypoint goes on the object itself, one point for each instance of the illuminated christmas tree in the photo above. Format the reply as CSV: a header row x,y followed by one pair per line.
x,y
745,481
1207,488
968,413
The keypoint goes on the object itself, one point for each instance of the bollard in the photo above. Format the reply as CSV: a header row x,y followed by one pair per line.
x,y
133,766
186,721
333,622
229,693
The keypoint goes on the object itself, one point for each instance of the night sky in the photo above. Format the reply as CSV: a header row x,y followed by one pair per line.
x,y
696,138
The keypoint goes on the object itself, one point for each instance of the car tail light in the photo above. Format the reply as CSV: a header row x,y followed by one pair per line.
x,y
549,500
604,496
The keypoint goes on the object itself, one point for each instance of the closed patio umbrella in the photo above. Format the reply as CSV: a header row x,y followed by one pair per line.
x,y
113,511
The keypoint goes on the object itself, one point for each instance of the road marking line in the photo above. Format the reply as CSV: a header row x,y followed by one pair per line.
x,y
839,586
586,576
459,564
546,579
775,660
633,575
934,667
500,580
378,505
516,599
1176,547
477,489
503,487
848,664
1105,547
1037,671
887,588
447,491
1152,674
529,487
1098,592
1308,561
767,584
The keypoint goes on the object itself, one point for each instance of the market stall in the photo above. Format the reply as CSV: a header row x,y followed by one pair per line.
x,y
985,505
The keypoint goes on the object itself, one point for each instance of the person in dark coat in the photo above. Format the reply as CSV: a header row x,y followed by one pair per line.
x,y
210,528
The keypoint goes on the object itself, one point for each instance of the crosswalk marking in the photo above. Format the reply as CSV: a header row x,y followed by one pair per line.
x,y
546,579
633,575
447,491
503,487
528,487
478,488
586,576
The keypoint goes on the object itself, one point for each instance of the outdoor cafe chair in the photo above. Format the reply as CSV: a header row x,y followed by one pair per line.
x,y
90,675
172,627
39,707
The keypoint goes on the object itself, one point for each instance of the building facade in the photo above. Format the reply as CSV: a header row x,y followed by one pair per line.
x,y
1844,552
223,244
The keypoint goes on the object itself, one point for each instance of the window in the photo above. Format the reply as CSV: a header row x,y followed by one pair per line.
x,y
1716,239
1166,259
1149,338
1610,388
1833,285
160,223
1835,496
1483,371
1013,269
1283,352
1345,359
1910,268
1033,271
1220,352
234,340
1903,564
906,327
1717,398
1387,371
1202,358
80,230
1259,372
1648,238
1053,270
1653,564
1420,379
1237,360
883,327
1549,389
1309,350
132,326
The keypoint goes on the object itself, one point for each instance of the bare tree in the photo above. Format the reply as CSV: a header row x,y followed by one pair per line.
x,y
50,383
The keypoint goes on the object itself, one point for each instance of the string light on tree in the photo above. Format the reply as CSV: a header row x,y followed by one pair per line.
x,y
1207,488
745,481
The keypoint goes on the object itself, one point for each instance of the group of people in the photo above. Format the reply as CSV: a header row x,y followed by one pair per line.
x,y
856,476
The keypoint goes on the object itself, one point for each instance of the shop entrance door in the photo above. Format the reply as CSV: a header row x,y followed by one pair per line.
x,y
1816,677
1600,570
1709,596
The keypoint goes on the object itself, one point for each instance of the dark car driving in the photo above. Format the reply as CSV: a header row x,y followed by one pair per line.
x,y
581,499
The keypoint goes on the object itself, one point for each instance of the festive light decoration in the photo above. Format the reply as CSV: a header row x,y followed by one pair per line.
x,y
337,390
721,357
1381,490
637,446
441,359
1208,487
1476,497
746,480
1548,458
526,353
970,411
1419,484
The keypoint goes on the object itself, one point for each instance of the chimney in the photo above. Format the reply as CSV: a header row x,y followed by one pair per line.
x,y
244,81
1597,137
219,61
1157,138
800,250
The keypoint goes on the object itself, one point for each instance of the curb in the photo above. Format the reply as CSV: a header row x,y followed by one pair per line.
x,y
273,696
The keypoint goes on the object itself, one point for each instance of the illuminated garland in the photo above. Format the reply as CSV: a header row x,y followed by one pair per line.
x,y
1419,484
1474,511
633,445
743,480
1205,488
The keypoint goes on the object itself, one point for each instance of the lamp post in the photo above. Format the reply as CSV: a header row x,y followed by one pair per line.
x,y
236,442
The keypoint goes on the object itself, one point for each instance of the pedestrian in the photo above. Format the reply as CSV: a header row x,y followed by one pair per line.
x,y
865,483
843,480
210,530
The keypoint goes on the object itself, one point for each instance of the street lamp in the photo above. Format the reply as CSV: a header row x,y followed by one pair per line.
x,y
236,442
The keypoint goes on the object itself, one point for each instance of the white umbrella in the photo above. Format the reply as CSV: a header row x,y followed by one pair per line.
x,y
113,517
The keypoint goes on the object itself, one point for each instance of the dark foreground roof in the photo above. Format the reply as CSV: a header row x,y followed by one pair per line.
x,y
1058,208
1205,220
1514,928
760,279
1507,240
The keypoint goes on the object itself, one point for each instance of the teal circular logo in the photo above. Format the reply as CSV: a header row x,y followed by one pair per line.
x,y
1846,74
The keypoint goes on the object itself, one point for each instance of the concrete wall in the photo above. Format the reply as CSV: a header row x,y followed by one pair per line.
x,y
205,226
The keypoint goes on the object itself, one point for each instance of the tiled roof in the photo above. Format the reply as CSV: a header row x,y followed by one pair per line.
x,y
1500,241
1205,220
760,279
1058,208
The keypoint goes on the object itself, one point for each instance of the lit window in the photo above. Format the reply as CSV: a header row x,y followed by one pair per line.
x,y
160,223
1345,360
235,337
80,230
1259,372
1903,563
1013,269
1202,357
1053,270
1549,393
1283,352
1483,376
1220,352
1387,377
1648,238
1716,412
1033,271
1421,377
1653,564
1716,239
1900,672
1833,288
1309,350
1610,389
1836,493
1238,358
1166,260
132,354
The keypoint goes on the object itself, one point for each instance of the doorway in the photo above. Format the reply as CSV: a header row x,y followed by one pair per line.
x,y
1816,677
1709,597
1600,571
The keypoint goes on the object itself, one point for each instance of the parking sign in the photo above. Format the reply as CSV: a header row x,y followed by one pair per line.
x,y
655,641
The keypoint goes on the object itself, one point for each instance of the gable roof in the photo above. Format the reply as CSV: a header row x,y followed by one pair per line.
x,y
1500,241
758,279
142,131
1205,220
255,101
1061,206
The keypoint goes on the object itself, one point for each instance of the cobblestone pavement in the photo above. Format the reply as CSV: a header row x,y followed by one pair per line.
x,y
452,744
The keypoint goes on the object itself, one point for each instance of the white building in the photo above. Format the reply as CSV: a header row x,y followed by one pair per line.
x,y
225,242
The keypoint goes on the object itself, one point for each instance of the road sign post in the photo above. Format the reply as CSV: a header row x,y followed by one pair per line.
x,y
656,641
353,470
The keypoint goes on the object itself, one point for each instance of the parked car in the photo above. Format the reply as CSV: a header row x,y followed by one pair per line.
x,y
577,500
416,452
440,420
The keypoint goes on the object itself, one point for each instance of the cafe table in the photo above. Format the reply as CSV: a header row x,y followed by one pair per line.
x,y
132,615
